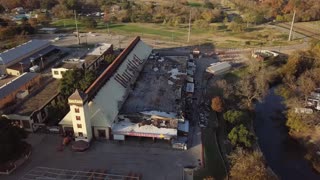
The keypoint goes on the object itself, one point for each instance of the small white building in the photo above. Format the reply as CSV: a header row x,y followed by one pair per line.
x,y
218,68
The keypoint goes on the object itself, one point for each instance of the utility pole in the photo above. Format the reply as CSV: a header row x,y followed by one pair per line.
x,y
294,15
75,19
189,26
172,37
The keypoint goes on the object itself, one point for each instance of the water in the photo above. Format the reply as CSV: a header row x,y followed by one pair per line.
x,y
283,154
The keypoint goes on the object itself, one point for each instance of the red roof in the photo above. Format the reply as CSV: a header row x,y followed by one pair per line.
x,y
102,79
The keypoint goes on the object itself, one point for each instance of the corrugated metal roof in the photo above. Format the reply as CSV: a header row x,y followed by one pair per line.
x,y
109,98
219,67
106,74
16,83
22,50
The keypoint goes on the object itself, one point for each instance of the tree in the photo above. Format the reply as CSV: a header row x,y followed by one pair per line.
x,y
89,22
3,22
11,140
296,122
240,135
33,22
110,58
75,79
44,19
246,165
201,24
31,4
47,4
306,84
26,28
228,89
208,4
253,87
61,11
298,63
217,104
207,15
2,9
236,27
235,116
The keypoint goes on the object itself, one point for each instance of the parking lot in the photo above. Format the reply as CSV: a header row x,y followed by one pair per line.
x,y
151,160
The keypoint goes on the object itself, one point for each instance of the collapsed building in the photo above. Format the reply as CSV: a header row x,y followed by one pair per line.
x,y
121,101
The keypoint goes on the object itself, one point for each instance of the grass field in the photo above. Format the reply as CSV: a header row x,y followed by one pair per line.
x,y
310,29
222,38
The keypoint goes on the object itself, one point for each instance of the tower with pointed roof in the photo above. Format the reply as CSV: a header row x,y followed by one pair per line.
x,y
80,116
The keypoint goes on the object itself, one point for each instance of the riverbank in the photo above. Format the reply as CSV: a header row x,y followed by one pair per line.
x,y
312,153
283,154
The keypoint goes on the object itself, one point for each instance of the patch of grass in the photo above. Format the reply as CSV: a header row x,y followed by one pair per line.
x,y
235,75
194,4
144,29
66,24
214,165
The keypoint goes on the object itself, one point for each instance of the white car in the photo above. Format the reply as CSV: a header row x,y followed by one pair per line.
x,y
3,76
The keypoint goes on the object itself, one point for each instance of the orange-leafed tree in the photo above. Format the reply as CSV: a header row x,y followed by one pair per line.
x,y
217,104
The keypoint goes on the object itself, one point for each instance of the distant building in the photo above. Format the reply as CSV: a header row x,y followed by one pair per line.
x,y
264,54
313,100
90,61
32,112
218,68
48,30
21,85
19,59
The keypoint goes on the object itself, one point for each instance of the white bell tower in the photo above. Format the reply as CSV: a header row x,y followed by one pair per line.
x,y
80,116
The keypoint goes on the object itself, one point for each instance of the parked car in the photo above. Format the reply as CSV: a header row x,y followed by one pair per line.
x,y
180,143
3,76
54,129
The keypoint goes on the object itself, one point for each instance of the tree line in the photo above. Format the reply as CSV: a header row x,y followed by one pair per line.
x,y
281,10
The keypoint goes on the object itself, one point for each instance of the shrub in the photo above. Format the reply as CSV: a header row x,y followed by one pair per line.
x,y
217,104
240,135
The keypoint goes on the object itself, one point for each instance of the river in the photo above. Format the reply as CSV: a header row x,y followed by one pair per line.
x,y
283,154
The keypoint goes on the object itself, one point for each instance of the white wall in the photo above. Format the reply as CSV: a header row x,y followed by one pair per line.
x,y
60,71
86,128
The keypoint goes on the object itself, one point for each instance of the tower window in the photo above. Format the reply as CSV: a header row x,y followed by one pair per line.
x,y
78,118
80,134
76,110
79,126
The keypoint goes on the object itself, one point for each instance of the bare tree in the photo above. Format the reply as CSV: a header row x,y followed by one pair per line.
x,y
227,88
253,87
306,84
248,165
